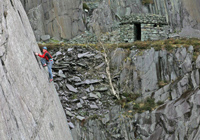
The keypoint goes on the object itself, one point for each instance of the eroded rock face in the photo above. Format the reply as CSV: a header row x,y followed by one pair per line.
x,y
101,17
30,108
59,19
82,84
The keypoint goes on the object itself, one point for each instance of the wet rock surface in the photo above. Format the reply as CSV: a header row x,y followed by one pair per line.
x,y
92,112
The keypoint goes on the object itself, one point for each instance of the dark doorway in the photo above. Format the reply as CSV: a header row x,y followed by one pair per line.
x,y
138,31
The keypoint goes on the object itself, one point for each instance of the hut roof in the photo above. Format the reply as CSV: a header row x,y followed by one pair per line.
x,y
144,18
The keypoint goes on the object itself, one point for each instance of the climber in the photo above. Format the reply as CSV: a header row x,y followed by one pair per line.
x,y
47,60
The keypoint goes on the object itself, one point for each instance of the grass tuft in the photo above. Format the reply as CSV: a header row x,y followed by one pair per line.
x,y
147,2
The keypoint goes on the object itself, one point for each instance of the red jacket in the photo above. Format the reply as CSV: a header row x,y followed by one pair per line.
x,y
46,55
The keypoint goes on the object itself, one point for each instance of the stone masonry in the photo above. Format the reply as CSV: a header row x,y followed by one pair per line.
x,y
151,27
149,32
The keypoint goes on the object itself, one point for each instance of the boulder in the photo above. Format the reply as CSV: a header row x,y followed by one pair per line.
x,y
45,37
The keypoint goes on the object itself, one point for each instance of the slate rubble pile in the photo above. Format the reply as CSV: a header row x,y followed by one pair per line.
x,y
82,85
81,82
91,38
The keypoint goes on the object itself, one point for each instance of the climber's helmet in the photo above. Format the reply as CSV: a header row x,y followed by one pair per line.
x,y
45,48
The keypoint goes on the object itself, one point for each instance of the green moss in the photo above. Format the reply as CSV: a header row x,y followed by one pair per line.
x,y
74,96
169,45
54,41
85,6
146,108
83,113
84,20
140,53
195,55
124,45
149,105
162,84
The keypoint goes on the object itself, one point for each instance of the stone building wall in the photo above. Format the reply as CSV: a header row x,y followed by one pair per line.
x,y
149,32
127,33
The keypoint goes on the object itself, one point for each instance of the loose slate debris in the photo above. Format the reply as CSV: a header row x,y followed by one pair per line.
x,y
99,66
80,118
58,53
93,106
71,125
102,89
71,88
88,82
91,95
75,79
76,82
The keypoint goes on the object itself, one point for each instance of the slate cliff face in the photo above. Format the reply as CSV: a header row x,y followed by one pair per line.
x,y
60,19
30,108
63,19
142,73
182,15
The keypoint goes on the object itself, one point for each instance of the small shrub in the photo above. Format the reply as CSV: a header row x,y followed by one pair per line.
x,y
136,106
160,102
140,53
149,104
125,45
178,41
74,96
162,84
142,44
135,96
126,106
130,96
169,47
146,108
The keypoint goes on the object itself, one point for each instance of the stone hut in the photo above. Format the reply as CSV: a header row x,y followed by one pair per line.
x,y
143,27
